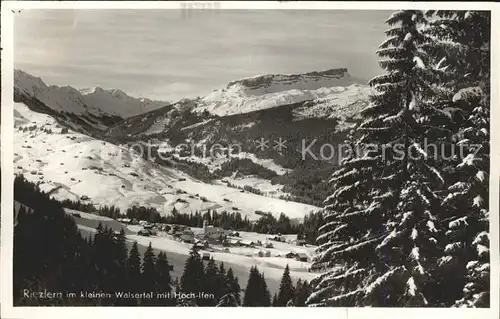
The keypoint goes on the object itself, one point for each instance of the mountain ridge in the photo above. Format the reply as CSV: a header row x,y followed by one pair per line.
x,y
97,101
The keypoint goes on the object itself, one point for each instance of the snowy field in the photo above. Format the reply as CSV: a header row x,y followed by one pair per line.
x,y
73,165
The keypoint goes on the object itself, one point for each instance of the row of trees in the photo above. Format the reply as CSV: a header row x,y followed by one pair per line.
x,y
412,230
105,210
226,220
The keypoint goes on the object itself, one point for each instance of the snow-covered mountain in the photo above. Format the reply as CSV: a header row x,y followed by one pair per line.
x,y
272,90
96,101
297,108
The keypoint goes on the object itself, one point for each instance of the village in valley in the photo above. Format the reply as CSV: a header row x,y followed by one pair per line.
x,y
210,239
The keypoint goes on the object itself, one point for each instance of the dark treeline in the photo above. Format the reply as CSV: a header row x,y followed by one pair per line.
x,y
226,220
108,211
257,294
50,254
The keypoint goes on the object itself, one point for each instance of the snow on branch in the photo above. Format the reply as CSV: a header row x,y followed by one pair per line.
x,y
384,279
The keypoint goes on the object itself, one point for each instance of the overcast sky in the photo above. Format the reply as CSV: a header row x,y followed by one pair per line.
x,y
164,54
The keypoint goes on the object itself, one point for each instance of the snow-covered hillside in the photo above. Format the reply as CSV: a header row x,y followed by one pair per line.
x,y
96,101
267,91
73,165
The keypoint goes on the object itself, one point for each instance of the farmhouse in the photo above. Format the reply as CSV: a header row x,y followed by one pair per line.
x,y
301,257
264,253
278,237
187,236
234,242
299,242
144,232
290,255
247,243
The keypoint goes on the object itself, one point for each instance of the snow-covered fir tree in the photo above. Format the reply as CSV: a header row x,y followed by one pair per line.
x,y
381,233
462,43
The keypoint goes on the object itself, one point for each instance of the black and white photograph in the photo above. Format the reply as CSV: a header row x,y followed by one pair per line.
x,y
200,156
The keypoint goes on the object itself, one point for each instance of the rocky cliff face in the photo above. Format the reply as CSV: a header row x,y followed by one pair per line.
x,y
273,90
272,83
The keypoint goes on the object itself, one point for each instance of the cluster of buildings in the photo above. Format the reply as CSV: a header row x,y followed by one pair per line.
x,y
216,235
209,234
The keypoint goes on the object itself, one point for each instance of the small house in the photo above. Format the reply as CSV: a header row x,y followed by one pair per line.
x,y
198,245
268,253
261,253
301,257
205,256
268,245
144,232
247,243
234,242
177,234
299,242
290,255
277,238
187,236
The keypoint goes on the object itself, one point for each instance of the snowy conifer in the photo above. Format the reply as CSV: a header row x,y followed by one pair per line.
x,y
463,45
382,227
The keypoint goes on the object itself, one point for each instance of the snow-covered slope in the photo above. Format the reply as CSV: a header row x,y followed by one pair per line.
x,y
267,91
72,165
96,101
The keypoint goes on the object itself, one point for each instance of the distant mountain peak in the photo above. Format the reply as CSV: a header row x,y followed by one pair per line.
x,y
96,100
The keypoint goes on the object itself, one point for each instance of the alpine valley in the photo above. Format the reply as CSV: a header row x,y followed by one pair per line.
x,y
91,131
